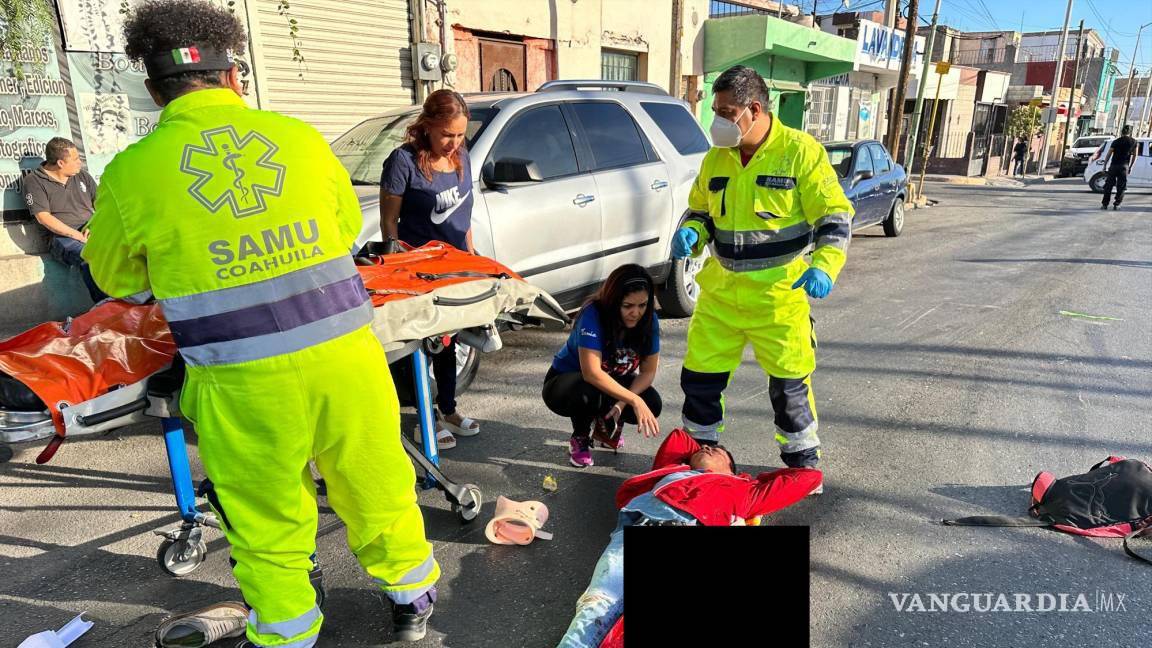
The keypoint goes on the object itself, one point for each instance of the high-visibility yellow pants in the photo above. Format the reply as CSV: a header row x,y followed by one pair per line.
x,y
259,423
761,308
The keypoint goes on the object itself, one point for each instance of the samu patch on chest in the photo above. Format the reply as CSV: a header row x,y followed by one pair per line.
x,y
776,182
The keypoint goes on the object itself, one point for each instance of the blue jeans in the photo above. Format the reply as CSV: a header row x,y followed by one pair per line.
x,y
601,605
67,251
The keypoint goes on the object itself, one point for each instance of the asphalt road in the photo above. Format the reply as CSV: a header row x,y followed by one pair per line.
x,y
950,372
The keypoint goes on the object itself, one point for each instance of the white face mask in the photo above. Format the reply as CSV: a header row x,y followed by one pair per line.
x,y
726,133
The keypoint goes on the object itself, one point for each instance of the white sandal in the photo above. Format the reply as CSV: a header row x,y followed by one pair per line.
x,y
467,427
444,438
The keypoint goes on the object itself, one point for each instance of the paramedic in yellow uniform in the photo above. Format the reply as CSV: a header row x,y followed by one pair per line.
x,y
766,195
240,223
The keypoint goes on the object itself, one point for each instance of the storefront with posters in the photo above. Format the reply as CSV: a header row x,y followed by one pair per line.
x,y
332,63
858,100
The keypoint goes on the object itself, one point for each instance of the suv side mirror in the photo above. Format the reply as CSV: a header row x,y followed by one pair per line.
x,y
862,176
510,172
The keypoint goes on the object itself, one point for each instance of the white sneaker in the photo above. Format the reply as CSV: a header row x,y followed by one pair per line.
x,y
204,626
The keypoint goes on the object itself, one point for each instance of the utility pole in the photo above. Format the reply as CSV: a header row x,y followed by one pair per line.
x,y
1055,89
1131,76
941,70
914,129
1123,116
1072,90
1147,109
896,111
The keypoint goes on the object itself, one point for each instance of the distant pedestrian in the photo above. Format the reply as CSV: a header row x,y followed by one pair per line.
x,y
1122,157
1019,151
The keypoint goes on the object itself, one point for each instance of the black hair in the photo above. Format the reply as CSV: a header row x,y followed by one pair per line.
x,y
56,149
627,279
746,85
1126,129
731,459
159,26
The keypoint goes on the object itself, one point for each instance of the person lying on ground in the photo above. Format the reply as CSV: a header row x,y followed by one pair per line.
x,y
689,484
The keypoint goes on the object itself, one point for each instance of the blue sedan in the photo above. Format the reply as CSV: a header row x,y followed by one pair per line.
x,y
875,184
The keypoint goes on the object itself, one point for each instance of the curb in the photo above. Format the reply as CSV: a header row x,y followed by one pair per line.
x,y
958,180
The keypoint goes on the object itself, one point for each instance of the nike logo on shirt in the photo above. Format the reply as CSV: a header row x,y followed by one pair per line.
x,y
447,202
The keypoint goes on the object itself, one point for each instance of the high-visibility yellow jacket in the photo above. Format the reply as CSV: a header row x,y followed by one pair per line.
x,y
787,201
242,231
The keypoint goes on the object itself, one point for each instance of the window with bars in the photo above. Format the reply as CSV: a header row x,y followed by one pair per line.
x,y
818,118
619,66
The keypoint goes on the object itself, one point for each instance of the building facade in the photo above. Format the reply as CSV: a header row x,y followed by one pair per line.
x,y
859,99
512,45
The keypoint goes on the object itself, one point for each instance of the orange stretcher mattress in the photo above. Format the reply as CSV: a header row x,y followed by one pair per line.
x,y
117,343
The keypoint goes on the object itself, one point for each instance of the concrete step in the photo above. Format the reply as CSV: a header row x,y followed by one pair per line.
x,y
24,237
34,288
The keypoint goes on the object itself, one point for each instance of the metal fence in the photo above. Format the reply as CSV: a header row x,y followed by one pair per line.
x,y
990,56
722,9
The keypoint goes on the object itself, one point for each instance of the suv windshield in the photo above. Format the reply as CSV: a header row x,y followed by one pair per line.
x,y
1088,142
363,149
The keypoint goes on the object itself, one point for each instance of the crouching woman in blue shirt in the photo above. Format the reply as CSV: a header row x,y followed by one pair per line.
x,y
602,377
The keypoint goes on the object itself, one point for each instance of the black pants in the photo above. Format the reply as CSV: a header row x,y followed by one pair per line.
x,y
568,395
444,370
1117,177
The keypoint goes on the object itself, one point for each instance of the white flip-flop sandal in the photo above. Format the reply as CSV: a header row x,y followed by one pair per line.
x,y
444,438
467,427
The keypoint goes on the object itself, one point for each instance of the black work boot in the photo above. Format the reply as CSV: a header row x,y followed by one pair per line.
x,y
410,621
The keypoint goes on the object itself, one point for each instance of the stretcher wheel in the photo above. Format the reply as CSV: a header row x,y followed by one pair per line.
x,y
469,506
180,557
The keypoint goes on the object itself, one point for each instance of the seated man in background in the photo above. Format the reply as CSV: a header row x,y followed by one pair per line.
x,y
689,484
60,195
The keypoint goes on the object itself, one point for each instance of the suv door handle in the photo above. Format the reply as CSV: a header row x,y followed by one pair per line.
x,y
580,200
657,185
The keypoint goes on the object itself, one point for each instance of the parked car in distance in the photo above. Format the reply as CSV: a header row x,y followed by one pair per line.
x,y
1141,175
1081,152
570,182
875,184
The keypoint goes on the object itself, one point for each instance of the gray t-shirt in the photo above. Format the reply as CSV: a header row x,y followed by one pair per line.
x,y
72,202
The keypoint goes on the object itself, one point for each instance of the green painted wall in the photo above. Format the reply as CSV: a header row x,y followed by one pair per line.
x,y
787,55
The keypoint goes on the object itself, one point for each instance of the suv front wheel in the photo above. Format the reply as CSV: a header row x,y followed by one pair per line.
x,y
679,294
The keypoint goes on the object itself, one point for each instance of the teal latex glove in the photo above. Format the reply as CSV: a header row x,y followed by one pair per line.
x,y
816,283
683,242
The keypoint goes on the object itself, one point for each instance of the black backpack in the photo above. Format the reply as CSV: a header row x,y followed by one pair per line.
x,y
1112,500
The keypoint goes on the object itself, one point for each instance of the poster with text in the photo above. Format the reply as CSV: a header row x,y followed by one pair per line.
x,y
33,110
113,107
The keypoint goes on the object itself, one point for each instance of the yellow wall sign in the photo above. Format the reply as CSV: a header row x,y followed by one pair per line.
x,y
942,67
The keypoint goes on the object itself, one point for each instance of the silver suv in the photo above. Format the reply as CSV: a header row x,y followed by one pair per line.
x,y
570,181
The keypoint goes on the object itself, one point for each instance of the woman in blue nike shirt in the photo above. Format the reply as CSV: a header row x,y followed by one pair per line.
x,y
426,195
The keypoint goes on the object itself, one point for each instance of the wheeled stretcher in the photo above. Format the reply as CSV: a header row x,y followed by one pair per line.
x,y
116,365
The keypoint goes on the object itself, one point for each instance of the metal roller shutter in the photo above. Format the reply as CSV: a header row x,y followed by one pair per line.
x,y
357,60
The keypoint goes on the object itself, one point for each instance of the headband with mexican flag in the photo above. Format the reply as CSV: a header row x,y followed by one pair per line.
x,y
193,58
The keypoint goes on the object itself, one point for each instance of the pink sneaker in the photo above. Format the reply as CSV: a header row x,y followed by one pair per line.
x,y
580,452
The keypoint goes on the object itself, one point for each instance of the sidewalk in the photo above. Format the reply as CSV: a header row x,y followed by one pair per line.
x,y
998,181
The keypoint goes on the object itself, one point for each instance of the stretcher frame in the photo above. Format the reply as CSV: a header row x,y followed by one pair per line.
x,y
183,548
